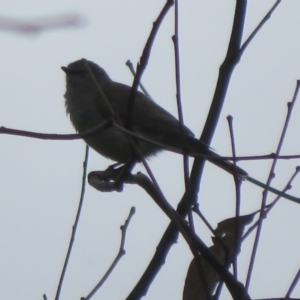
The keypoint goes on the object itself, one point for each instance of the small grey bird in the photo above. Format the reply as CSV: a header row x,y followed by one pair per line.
x,y
86,104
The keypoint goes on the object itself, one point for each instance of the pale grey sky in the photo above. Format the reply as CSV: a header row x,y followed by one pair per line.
x,y
41,180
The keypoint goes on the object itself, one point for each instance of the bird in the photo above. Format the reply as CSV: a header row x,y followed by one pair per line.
x,y
92,98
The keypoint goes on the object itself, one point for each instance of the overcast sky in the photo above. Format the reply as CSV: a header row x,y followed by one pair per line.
x,y
41,180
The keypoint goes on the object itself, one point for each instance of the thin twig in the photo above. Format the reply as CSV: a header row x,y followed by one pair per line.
x,y
271,205
202,217
259,26
287,188
132,70
74,228
271,176
237,211
231,60
293,285
99,128
54,136
238,183
141,66
186,172
277,192
118,257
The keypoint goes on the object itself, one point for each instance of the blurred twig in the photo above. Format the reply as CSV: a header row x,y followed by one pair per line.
x,y
41,24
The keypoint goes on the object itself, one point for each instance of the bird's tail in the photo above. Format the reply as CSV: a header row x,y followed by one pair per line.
x,y
199,148
226,165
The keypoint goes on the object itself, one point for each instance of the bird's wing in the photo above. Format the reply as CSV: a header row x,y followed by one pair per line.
x,y
146,114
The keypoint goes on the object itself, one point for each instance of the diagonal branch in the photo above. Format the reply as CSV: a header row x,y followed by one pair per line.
x,y
171,233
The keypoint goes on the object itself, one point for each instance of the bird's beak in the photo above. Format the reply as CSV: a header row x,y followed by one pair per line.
x,y
66,70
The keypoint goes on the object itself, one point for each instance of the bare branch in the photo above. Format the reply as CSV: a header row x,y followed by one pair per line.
x,y
293,285
118,257
259,26
271,176
74,228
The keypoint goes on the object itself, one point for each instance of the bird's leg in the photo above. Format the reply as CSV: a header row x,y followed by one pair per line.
x,y
125,171
112,178
114,166
111,173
